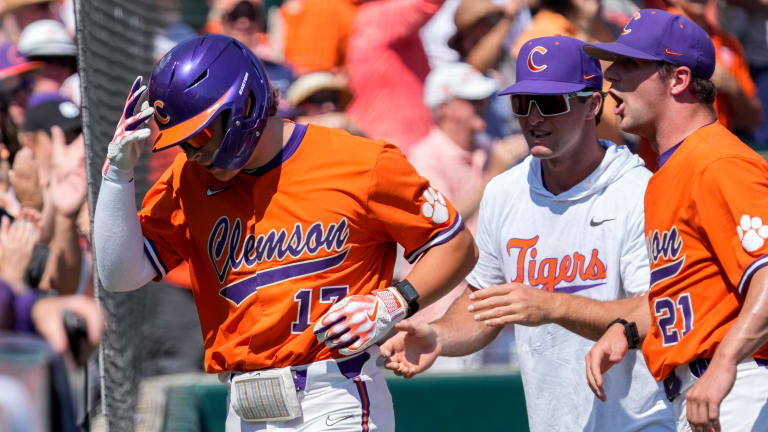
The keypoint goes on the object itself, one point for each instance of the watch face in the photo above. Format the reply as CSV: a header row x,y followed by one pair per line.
x,y
407,291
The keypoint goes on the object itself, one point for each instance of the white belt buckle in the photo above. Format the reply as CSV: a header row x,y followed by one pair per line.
x,y
267,395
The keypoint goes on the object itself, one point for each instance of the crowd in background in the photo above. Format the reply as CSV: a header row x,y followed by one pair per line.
x,y
421,74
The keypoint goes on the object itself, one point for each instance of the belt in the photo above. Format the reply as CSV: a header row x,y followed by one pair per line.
x,y
350,368
673,384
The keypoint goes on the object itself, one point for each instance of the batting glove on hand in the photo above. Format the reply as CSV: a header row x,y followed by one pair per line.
x,y
124,150
356,322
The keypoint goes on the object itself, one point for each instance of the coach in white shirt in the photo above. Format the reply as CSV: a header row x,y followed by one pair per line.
x,y
562,254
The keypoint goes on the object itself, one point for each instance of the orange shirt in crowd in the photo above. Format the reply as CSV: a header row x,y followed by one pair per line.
x,y
316,33
704,214
548,23
730,54
271,250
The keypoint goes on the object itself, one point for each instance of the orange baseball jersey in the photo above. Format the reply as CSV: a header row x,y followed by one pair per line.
x,y
273,249
705,210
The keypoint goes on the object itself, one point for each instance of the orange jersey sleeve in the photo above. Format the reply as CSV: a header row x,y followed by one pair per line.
x,y
163,222
412,212
705,214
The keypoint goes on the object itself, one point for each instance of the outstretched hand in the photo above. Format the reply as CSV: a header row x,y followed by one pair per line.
x,y
412,350
607,351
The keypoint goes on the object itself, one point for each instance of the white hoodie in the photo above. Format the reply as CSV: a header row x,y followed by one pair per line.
x,y
588,241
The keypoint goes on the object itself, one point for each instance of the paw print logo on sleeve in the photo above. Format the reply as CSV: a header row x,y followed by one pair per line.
x,y
752,233
435,207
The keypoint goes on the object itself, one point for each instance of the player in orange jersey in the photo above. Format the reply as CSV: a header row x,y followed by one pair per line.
x,y
290,232
706,331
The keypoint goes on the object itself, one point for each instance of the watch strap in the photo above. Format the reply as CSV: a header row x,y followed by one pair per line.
x,y
630,331
410,295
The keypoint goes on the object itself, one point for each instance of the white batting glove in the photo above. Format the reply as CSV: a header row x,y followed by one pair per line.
x,y
354,323
124,150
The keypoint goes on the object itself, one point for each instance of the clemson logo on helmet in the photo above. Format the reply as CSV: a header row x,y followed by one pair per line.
x,y
635,16
162,118
533,66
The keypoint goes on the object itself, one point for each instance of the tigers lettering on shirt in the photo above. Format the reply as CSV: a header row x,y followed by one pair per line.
x,y
272,254
705,235
547,273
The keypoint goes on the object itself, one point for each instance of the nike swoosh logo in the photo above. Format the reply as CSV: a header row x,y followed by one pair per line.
x,y
330,422
586,77
375,313
666,50
595,223
212,192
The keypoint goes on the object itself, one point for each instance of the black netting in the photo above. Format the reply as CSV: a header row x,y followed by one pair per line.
x,y
115,40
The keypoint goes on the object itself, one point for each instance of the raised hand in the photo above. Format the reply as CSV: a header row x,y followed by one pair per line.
x,y
413,350
17,242
124,150
68,181
357,322
25,180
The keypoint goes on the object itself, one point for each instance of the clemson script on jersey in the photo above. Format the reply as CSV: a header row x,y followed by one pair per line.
x,y
273,249
705,235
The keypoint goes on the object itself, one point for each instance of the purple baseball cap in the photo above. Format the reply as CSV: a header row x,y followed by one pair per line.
x,y
656,35
555,65
14,63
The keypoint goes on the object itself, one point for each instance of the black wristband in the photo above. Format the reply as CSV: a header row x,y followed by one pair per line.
x,y
410,295
630,331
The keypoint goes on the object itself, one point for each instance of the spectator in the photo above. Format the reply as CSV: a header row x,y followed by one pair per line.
x,y
246,22
482,30
387,67
15,87
48,41
316,33
320,98
737,104
52,132
17,14
753,34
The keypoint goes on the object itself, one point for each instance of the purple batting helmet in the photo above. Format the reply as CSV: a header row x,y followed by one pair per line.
x,y
202,78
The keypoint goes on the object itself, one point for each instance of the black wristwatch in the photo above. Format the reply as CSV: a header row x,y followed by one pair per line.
x,y
409,294
630,331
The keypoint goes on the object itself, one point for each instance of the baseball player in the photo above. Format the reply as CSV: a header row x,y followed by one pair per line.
x,y
290,232
706,323
561,255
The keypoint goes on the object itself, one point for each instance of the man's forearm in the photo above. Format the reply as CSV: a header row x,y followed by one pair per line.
x,y
458,332
62,270
443,267
750,330
590,318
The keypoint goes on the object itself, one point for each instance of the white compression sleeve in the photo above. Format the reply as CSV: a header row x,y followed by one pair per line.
x,y
117,239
